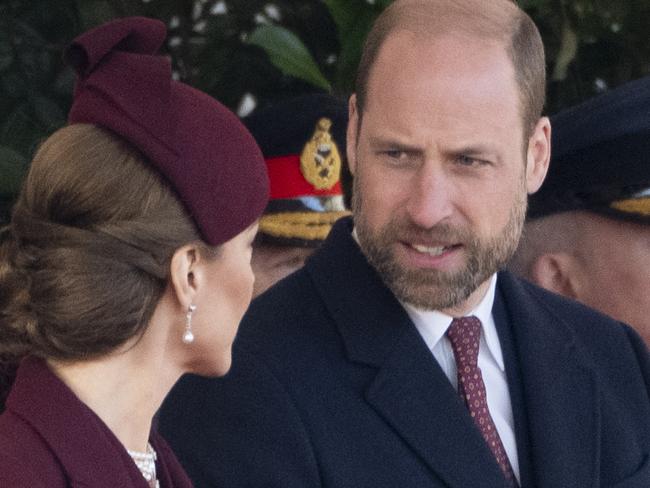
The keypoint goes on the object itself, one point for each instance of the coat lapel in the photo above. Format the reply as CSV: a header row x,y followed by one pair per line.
x,y
415,397
88,451
410,391
560,392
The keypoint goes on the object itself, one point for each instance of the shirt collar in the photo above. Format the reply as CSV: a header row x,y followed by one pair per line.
x,y
432,324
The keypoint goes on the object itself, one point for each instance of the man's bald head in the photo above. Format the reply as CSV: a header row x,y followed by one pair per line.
x,y
501,21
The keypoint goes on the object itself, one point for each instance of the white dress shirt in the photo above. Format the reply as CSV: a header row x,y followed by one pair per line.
x,y
432,326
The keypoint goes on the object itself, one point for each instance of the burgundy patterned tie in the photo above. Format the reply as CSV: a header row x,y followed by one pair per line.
x,y
465,334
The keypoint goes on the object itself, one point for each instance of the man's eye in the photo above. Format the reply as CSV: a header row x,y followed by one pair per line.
x,y
465,160
469,161
395,156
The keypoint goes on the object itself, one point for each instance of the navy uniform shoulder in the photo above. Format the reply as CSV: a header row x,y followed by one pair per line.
x,y
568,308
279,304
289,315
600,334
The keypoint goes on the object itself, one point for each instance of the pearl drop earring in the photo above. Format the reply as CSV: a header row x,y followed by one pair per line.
x,y
188,336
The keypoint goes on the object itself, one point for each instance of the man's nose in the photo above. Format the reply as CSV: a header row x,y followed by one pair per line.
x,y
430,202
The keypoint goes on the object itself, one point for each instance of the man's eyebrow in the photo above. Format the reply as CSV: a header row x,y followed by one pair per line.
x,y
473,149
480,151
393,143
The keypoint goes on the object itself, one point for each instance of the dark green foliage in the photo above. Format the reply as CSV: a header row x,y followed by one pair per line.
x,y
591,45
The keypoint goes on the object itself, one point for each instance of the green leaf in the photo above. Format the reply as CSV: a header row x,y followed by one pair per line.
x,y
95,12
21,130
13,85
567,53
528,4
342,13
6,51
353,20
347,14
63,83
288,53
13,167
48,112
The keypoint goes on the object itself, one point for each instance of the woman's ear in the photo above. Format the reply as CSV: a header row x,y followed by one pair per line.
x,y
183,274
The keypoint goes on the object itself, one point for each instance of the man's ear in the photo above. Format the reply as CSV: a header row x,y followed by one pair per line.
x,y
538,155
183,274
556,272
353,127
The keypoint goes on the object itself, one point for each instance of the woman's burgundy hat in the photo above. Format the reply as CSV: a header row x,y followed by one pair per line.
x,y
202,149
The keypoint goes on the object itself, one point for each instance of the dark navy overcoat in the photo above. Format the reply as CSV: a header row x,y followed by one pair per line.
x,y
332,386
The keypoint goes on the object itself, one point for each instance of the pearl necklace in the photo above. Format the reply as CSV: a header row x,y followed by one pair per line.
x,y
146,463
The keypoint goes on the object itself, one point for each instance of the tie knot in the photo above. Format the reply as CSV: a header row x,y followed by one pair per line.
x,y
464,333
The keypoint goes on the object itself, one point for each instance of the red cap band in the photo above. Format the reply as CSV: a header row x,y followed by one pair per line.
x,y
288,182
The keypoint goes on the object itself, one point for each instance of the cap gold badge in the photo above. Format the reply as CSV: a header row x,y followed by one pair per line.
x,y
320,161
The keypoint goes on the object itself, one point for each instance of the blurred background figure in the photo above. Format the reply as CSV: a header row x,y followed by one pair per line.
x,y
588,230
303,142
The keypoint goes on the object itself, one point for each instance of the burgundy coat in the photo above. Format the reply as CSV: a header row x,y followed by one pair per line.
x,y
50,439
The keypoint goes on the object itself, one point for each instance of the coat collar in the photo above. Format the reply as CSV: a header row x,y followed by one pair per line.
x,y
413,395
410,390
364,305
88,451
559,387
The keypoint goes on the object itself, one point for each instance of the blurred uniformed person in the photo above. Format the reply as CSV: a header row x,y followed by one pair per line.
x,y
588,229
303,142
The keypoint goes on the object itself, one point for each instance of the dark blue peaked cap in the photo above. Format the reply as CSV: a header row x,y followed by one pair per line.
x,y
600,157
303,142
